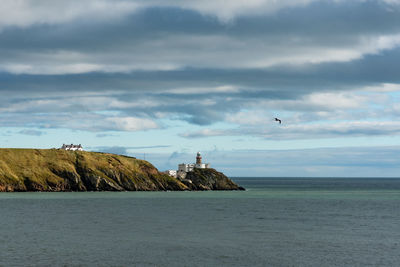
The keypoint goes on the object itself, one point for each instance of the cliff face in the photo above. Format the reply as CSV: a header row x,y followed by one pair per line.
x,y
60,170
209,179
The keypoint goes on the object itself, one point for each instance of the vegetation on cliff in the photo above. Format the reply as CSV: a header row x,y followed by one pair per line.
x,y
209,179
61,170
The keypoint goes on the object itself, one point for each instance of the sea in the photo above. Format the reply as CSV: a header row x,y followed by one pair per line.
x,y
275,222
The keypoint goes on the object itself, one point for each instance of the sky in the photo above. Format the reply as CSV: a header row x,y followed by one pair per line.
x,y
163,79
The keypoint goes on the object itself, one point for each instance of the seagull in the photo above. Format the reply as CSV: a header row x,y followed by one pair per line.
x,y
276,119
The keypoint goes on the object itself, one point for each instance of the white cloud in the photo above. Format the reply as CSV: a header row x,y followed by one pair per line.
x,y
176,52
338,100
24,13
50,69
131,124
254,117
226,11
179,48
306,131
392,2
382,88
314,102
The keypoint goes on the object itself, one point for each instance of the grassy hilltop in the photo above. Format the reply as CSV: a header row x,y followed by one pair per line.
x,y
60,170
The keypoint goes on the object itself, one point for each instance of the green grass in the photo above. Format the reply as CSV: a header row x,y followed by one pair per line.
x,y
51,170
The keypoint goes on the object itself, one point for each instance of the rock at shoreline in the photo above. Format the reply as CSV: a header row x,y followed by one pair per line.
x,y
59,170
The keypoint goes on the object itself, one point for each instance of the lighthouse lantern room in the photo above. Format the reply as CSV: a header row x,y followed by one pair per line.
x,y
198,158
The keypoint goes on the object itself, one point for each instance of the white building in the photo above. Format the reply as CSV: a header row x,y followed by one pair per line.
x,y
184,168
172,173
72,147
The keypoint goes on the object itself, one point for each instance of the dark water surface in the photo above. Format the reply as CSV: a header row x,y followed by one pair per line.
x,y
276,222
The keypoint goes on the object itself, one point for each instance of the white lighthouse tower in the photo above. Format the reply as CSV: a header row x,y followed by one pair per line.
x,y
185,168
199,164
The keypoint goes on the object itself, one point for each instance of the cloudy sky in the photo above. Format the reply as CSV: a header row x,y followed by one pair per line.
x,y
165,79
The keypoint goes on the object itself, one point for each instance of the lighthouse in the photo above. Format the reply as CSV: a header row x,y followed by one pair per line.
x,y
198,158
185,168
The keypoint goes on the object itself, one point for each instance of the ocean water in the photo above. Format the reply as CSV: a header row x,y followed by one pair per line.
x,y
275,222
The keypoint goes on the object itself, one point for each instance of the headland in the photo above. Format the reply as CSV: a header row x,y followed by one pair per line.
x,y
55,170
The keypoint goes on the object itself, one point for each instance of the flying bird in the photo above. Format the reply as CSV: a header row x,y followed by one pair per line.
x,y
276,119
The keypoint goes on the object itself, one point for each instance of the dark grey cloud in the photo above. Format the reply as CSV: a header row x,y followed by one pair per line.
x,y
132,66
173,38
63,93
338,23
275,82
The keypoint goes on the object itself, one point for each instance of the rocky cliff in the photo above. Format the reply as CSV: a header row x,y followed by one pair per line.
x,y
60,170
209,179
